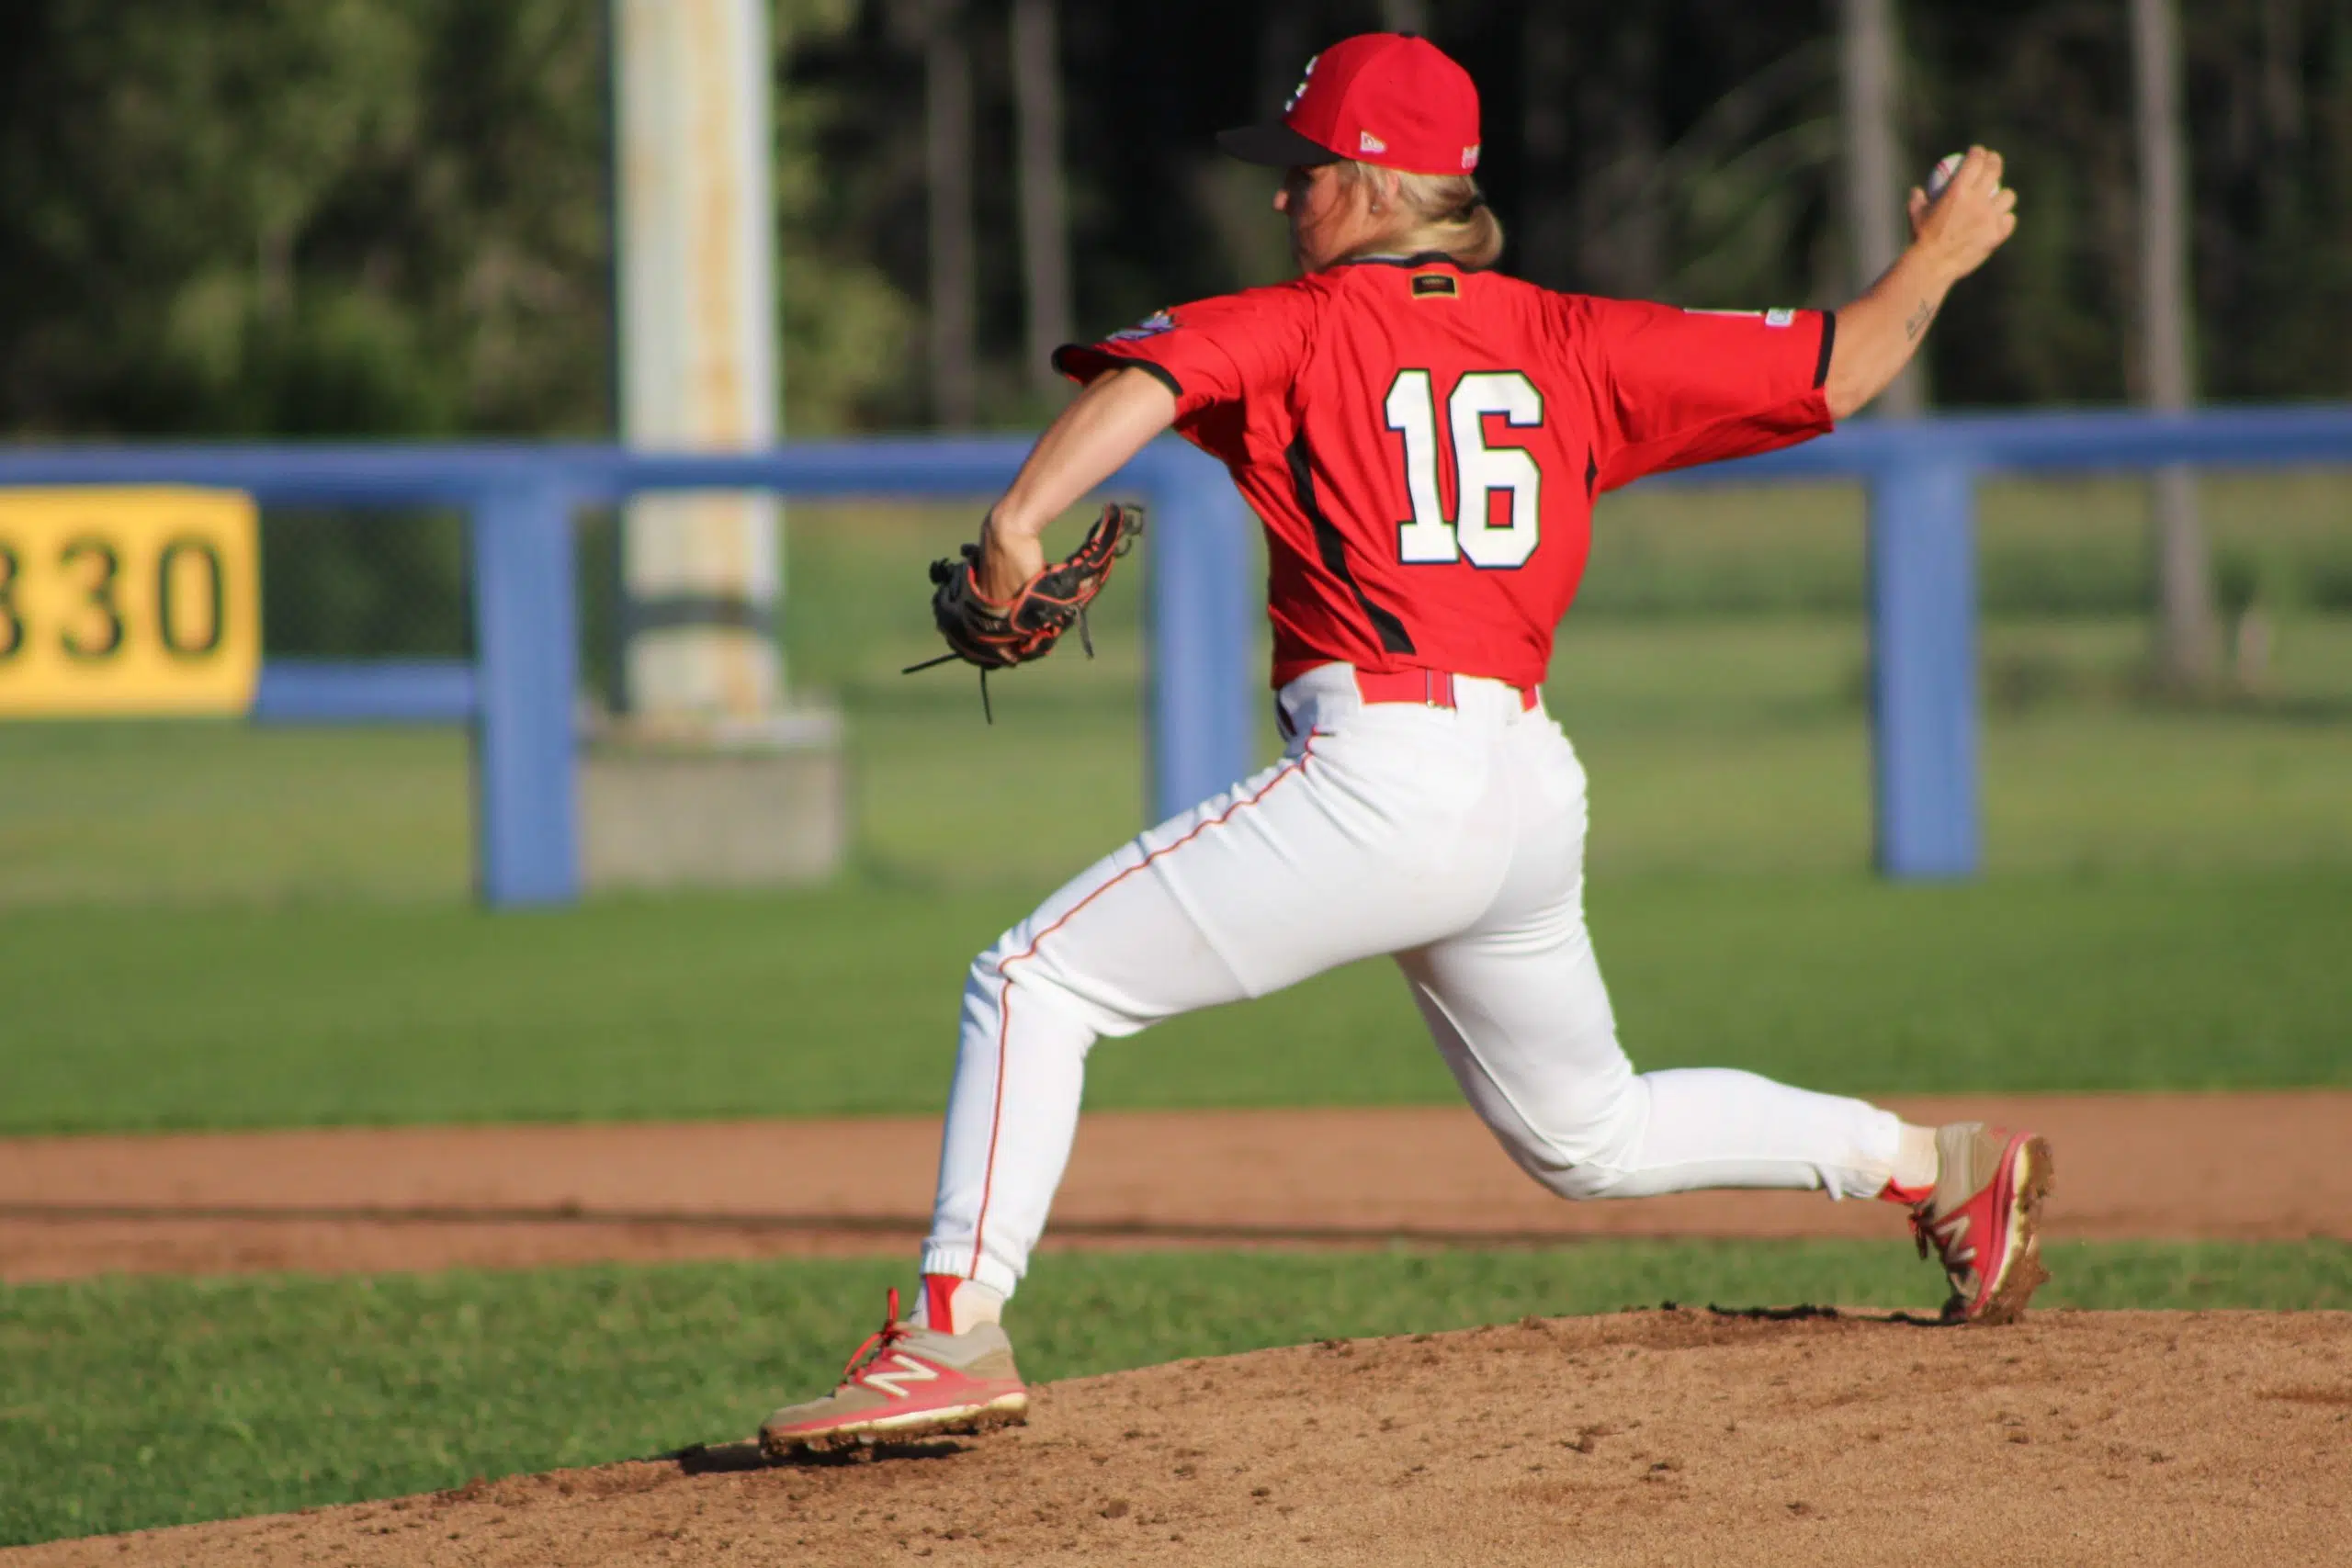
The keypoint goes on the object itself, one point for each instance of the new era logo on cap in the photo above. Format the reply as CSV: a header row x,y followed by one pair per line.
x,y
1367,143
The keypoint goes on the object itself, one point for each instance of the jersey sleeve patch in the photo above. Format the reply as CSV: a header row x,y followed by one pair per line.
x,y
1159,321
1779,316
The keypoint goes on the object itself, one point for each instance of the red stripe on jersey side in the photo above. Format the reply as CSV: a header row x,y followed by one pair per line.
x,y
1004,997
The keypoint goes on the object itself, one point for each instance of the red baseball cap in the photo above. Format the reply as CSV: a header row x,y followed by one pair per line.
x,y
1394,99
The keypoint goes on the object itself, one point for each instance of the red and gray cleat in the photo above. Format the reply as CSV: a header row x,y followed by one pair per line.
x,y
904,1382
1985,1219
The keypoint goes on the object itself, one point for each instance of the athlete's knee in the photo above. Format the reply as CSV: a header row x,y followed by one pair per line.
x,y
987,969
1009,979
1587,1142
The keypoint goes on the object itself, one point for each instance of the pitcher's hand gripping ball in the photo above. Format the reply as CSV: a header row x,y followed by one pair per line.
x,y
1940,176
998,635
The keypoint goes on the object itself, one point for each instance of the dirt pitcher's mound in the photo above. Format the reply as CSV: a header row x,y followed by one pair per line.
x,y
1672,1436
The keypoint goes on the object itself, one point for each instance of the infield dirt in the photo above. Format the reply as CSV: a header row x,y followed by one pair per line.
x,y
1671,1437
2236,1166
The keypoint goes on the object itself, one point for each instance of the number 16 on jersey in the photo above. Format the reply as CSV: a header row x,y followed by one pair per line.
x,y
125,602
1480,470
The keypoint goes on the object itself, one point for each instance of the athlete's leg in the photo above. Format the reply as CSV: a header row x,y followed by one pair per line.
x,y
1354,846
1517,1007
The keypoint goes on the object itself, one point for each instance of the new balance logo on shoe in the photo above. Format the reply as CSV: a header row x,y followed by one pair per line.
x,y
1952,1245
1987,1240
911,1371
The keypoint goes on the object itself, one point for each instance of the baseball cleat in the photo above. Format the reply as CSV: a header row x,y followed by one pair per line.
x,y
906,1383
1984,1219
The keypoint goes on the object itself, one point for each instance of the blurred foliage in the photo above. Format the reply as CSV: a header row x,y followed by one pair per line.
x,y
330,217
389,217
355,217
2268,104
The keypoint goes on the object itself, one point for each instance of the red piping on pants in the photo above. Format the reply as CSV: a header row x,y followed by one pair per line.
x,y
1004,999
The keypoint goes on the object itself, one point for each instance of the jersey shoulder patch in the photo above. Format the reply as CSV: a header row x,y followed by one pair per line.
x,y
1780,316
1159,321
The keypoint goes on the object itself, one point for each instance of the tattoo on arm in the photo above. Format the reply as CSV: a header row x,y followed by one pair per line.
x,y
1919,320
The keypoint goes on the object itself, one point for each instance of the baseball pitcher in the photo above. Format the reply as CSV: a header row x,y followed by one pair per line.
x,y
1423,439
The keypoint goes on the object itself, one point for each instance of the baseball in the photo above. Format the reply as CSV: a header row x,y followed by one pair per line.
x,y
1940,176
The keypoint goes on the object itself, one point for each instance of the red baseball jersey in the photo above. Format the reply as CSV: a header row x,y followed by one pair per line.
x,y
1424,445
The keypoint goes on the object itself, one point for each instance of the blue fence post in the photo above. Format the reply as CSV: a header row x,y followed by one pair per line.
x,y
526,812
1923,666
1198,723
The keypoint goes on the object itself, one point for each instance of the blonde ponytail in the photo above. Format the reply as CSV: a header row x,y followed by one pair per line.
x,y
1437,213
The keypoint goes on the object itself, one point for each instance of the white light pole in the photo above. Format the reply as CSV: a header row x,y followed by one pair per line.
x,y
695,235
711,780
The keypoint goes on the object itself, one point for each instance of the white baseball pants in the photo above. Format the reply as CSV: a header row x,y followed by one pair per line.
x,y
1452,838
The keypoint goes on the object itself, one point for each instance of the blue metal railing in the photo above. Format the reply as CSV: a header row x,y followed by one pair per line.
x,y
518,693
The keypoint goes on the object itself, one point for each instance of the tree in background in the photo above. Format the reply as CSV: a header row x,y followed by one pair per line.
x,y
332,216
849,329
2187,648
357,217
937,28
1044,230
1591,154
1870,72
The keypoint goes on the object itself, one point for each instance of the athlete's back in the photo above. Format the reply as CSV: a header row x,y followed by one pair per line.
x,y
1424,443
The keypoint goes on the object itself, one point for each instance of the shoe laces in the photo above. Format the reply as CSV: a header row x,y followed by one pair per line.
x,y
880,1340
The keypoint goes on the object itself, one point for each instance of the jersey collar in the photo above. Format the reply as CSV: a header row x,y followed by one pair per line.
x,y
1418,259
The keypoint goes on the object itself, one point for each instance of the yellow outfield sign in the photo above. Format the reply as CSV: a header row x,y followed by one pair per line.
x,y
145,600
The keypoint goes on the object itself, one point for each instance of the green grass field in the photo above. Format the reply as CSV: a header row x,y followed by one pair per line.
x,y
844,1001
132,1403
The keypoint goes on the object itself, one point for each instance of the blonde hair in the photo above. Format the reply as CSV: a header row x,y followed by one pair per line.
x,y
1437,213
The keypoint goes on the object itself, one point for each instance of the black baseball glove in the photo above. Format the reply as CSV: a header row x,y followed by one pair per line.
x,y
996,635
